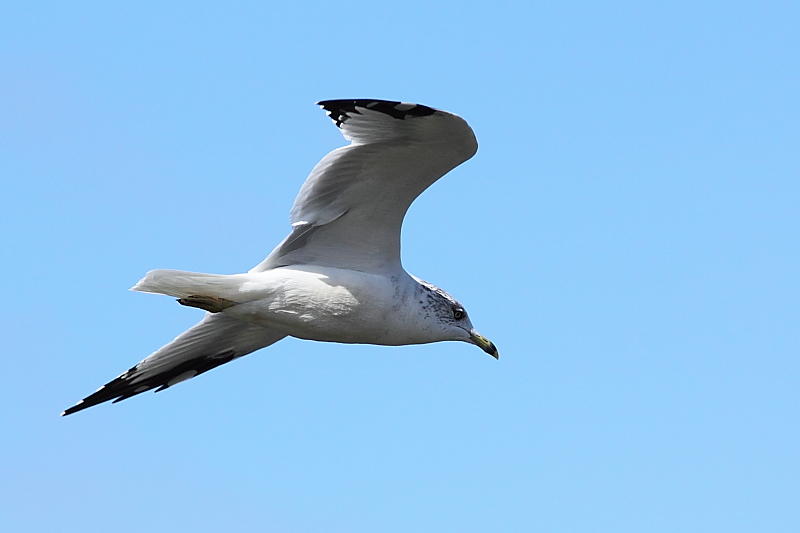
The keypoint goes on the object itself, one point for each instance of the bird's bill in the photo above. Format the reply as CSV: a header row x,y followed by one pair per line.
x,y
483,343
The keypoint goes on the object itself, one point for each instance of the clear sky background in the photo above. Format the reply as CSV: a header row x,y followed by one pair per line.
x,y
627,235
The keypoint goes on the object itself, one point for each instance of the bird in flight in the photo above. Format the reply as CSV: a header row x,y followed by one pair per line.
x,y
337,276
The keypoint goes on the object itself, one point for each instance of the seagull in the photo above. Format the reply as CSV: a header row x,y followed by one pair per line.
x,y
337,276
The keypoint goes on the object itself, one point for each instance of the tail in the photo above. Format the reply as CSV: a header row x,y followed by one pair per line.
x,y
182,284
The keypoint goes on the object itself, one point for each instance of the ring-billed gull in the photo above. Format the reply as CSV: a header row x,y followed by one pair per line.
x,y
337,276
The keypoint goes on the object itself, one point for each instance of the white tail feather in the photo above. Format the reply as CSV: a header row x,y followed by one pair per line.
x,y
182,284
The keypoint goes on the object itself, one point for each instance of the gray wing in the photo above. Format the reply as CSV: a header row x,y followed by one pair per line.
x,y
215,340
349,211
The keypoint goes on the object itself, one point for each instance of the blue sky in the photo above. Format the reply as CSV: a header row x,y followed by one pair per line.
x,y
627,235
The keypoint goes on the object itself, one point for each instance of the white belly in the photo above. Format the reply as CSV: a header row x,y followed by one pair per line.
x,y
331,304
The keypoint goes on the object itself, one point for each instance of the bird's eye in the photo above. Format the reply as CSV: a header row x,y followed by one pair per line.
x,y
458,313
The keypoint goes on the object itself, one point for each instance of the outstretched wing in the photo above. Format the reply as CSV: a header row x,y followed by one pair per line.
x,y
349,211
215,340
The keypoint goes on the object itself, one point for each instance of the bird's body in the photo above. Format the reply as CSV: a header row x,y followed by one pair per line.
x,y
315,302
329,304
337,277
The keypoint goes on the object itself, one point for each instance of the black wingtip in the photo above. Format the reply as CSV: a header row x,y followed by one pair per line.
x,y
74,409
90,401
110,391
340,110
127,384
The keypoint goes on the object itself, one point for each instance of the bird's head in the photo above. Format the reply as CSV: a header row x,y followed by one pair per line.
x,y
451,318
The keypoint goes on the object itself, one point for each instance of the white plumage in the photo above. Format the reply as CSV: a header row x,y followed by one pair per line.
x,y
337,276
